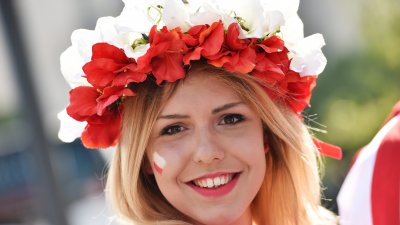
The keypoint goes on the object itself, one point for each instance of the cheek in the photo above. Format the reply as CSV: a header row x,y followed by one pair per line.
x,y
169,158
159,163
247,144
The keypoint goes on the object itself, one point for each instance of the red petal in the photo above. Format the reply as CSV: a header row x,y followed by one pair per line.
x,y
191,38
212,39
82,102
193,55
128,77
102,135
153,31
272,44
104,50
224,59
195,31
100,72
168,67
129,73
246,62
144,62
110,95
232,38
264,63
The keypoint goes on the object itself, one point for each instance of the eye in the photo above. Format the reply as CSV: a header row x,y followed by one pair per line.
x,y
171,130
231,119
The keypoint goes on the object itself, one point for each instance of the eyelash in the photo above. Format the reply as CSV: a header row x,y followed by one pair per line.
x,y
237,118
168,130
234,119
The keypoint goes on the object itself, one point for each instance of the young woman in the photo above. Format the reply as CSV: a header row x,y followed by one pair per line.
x,y
204,108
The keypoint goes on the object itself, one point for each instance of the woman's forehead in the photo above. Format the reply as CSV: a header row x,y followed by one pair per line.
x,y
201,90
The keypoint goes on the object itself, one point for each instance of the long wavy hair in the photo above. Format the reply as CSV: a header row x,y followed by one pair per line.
x,y
291,190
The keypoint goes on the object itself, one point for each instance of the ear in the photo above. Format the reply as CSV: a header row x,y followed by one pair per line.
x,y
266,142
147,166
266,147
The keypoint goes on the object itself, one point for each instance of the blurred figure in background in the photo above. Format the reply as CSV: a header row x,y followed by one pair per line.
x,y
371,192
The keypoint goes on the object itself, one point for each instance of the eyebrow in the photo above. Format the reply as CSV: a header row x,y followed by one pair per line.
x,y
214,111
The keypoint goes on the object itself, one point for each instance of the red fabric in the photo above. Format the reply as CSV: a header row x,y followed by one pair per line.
x,y
328,149
385,194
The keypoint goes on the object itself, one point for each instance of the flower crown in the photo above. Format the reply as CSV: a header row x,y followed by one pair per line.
x,y
159,39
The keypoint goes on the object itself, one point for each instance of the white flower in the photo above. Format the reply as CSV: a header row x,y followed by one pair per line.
x,y
250,15
308,58
71,68
70,129
175,14
204,14
79,53
292,32
111,32
137,17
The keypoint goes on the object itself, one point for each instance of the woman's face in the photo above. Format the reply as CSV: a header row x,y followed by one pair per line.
x,y
208,153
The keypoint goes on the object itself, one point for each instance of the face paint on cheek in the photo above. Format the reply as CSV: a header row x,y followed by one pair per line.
x,y
159,162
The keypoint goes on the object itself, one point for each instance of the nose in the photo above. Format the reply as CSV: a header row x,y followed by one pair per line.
x,y
207,149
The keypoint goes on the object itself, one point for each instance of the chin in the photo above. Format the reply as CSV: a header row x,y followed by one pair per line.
x,y
219,219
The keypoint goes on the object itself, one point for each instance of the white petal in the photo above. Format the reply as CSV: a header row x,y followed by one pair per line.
x,y
292,31
83,40
275,21
106,29
137,52
250,11
71,68
308,58
175,14
312,63
135,16
70,129
205,14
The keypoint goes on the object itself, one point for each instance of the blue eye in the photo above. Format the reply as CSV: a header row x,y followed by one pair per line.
x,y
231,119
171,130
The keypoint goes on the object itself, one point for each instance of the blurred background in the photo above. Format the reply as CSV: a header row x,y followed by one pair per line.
x,y
46,182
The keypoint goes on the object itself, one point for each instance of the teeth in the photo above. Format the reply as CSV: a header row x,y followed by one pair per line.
x,y
213,183
217,181
210,183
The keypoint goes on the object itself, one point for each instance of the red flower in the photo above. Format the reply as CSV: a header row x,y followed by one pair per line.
x,y
102,132
272,44
110,72
110,96
209,40
298,90
83,102
266,71
271,68
107,63
236,55
165,55
101,111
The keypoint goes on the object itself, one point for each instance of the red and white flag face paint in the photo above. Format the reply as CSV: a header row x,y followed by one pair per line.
x,y
370,193
159,162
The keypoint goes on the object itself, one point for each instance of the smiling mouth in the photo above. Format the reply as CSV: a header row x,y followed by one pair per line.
x,y
215,182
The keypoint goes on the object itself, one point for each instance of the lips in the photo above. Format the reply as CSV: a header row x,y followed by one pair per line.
x,y
215,185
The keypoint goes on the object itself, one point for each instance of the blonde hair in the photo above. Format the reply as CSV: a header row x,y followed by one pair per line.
x,y
290,193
